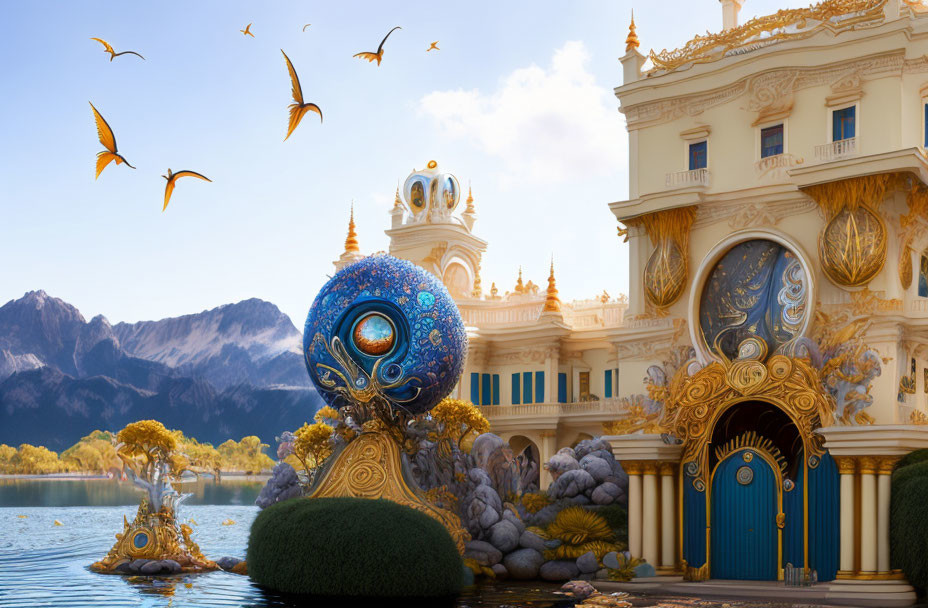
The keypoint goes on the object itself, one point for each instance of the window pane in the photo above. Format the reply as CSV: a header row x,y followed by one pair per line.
x,y
562,388
539,387
698,155
527,387
475,388
607,383
516,385
485,389
771,141
495,389
843,123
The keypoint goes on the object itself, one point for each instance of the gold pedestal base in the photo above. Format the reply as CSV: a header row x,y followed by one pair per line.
x,y
371,467
154,536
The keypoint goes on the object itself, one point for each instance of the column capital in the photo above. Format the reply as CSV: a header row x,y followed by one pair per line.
x,y
868,465
887,464
667,468
632,467
847,465
650,467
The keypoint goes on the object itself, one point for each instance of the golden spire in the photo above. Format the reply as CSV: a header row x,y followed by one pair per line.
x,y
493,290
631,42
519,288
478,289
552,302
397,202
351,241
470,200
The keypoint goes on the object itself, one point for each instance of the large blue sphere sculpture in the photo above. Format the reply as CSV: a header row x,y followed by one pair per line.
x,y
384,330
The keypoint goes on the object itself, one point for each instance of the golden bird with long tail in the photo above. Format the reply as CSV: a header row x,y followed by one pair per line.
x,y
306,26
172,179
113,54
433,47
298,109
106,137
247,31
379,54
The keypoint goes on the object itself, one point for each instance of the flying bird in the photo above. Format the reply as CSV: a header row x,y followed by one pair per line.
x,y
306,26
105,134
247,31
434,46
172,179
113,54
298,109
379,54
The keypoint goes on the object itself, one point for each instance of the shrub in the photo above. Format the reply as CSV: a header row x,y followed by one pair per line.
x,y
535,501
912,458
576,526
352,547
617,518
908,524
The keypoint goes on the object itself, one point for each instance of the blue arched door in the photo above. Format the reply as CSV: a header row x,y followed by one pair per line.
x,y
744,534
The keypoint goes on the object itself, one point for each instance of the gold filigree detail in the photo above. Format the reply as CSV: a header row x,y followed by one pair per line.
x,y
371,467
785,24
918,418
755,442
665,273
696,574
866,302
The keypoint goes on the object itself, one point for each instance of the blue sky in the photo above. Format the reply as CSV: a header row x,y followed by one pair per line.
x,y
518,102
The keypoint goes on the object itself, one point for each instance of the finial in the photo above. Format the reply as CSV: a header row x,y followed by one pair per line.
x,y
519,288
493,290
351,241
397,202
552,302
631,42
470,199
478,290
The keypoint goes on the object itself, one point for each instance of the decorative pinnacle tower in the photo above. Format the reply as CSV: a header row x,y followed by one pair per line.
x,y
469,201
552,302
519,288
397,202
351,241
631,42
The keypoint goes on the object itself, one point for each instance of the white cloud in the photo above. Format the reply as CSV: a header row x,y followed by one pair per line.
x,y
547,125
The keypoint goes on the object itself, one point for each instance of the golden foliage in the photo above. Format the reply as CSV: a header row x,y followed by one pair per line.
x,y
326,413
598,547
539,532
311,445
32,460
626,570
245,455
145,436
535,501
458,419
94,453
201,457
576,526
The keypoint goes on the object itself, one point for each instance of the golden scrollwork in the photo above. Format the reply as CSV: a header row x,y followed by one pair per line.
x,y
371,467
695,574
697,401
847,465
665,273
852,245
784,24
918,418
911,224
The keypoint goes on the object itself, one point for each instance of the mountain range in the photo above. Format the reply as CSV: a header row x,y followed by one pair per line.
x,y
219,374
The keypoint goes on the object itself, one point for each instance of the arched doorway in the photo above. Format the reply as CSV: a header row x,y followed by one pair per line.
x,y
529,459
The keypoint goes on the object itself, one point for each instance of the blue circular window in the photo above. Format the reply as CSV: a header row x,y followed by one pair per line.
x,y
140,539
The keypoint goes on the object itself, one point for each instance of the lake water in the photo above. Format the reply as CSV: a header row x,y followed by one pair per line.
x,y
45,565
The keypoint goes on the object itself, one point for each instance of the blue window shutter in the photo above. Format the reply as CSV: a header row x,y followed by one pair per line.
x,y
495,389
607,383
562,388
516,383
527,387
836,125
539,387
475,388
485,389
850,129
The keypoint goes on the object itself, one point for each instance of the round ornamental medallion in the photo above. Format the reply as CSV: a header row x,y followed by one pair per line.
x,y
744,475
748,456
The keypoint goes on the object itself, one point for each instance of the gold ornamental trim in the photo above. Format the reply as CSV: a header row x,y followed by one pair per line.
x,y
785,24
847,465
371,467
667,268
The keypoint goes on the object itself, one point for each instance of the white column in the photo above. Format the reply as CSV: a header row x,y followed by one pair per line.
x,y
847,468
884,473
868,523
547,449
634,507
668,557
649,513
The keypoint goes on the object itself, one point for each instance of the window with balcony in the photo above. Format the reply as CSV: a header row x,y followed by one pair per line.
x,y
562,388
698,155
484,389
923,275
771,141
843,124
584,392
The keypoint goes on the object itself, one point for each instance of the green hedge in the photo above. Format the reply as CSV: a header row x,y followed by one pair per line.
x,y
617,517
908,524
352,547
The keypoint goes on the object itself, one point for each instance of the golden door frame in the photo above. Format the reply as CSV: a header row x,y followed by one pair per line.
x,y
697,402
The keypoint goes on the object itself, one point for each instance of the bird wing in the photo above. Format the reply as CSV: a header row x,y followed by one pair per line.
x,y
127,53
106,45
104,132
296,115
380,48
314,108
168,190
306,26
186,173
295,81
103,159
369,56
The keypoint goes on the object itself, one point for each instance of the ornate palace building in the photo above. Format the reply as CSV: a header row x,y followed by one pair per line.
x,y
778,230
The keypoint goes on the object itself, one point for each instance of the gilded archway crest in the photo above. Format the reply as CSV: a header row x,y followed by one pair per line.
x,y
696,401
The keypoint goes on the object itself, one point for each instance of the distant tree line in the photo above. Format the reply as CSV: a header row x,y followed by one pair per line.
x,y
96,454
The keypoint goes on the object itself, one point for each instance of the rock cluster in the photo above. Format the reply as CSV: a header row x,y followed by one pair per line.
x,y
283,484
150,567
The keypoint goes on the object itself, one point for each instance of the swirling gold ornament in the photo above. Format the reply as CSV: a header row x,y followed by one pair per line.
x,y
666,271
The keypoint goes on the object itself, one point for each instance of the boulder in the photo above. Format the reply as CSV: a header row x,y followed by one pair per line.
x,y
530,540
504,535
578,589
560,464
171,566
479,476
611,560
136,565
482,552
484,446
568,452
125,568
559,570
591,445
553,543
587,563
581,500
500,572
571,483
598,468
282,485
227,563
602,575
523,564
644,570
153,567
606,493
513,518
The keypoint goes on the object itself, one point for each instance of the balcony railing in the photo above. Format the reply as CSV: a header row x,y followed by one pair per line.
x,y
682,179
604,407
836,150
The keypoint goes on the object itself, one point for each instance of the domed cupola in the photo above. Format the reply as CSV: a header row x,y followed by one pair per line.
x,y
431,196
